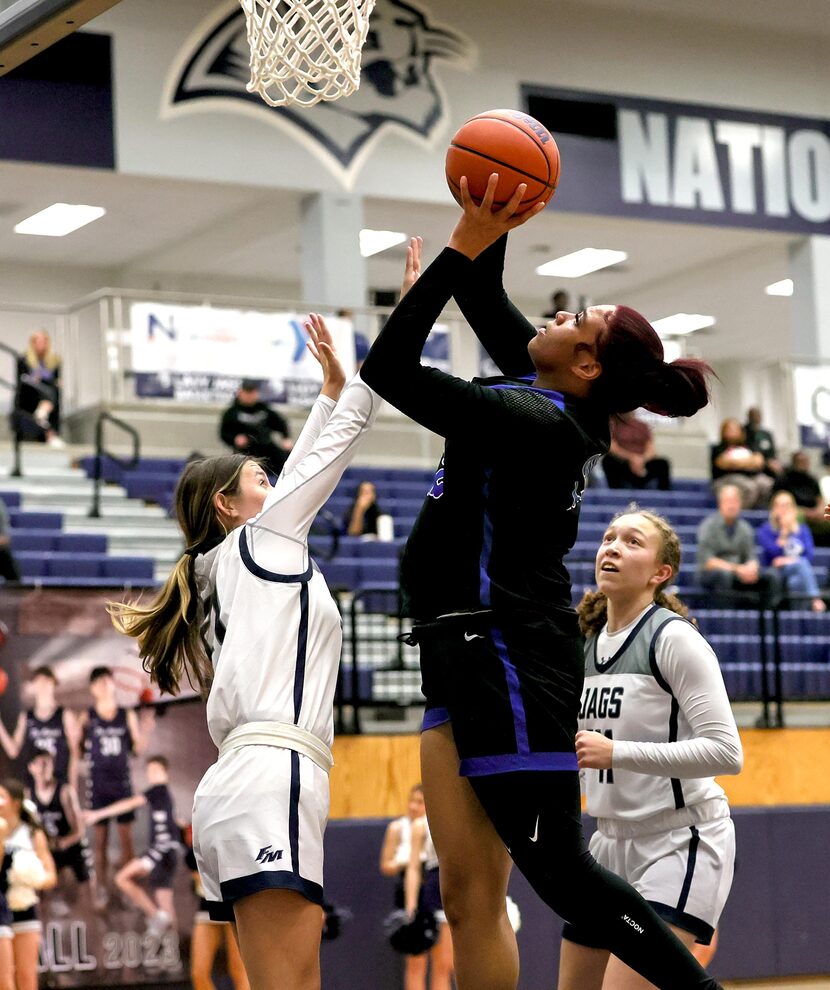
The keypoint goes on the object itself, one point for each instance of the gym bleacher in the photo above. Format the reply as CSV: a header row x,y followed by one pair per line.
x,y
363,572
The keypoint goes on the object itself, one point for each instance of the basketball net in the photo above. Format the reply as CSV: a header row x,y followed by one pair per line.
x,y
305,51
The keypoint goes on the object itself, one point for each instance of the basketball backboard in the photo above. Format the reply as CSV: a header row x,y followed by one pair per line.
x,y
29,26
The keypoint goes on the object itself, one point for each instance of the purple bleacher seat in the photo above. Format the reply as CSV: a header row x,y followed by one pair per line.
x,y
380,597
111,471
128,568
75,565
19,519
378,572
604,496
82,543
28,541
32,564
11,499
403,506
162,465
350,546
342,572
365,680
692,485
380,549
82,582
149,488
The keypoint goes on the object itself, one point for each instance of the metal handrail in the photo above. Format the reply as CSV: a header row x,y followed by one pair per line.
x,y
128,464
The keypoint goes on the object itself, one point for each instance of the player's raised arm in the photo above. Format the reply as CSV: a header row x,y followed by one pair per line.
x,y
438,401
318,461
503,331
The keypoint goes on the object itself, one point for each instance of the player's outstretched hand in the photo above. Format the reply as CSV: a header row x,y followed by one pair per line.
x,y
322,348
593,751
412,271
480,226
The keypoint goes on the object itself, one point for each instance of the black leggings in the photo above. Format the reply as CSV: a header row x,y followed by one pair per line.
x,y
537,815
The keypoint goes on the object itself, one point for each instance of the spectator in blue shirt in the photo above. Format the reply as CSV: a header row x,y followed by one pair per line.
x,y
786,544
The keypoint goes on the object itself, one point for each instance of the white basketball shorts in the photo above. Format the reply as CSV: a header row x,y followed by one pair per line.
x,y
685,874
259,815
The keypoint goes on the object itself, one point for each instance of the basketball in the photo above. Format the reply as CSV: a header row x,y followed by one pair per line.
x,y
4,681
511,143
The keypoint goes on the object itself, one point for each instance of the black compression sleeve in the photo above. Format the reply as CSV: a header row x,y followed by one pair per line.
x,y
537,815
440,402
501,328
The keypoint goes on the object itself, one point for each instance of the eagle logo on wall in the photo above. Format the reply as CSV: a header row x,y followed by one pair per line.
x,y
398,87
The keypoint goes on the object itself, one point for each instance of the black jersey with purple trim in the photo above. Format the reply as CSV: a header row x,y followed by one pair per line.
x,y
108,746
48,735
504,508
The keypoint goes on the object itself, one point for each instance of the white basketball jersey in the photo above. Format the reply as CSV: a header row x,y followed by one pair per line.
x,y
20,838
656,689
272,628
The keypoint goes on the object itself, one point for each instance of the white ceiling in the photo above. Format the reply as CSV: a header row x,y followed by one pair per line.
x,y
221,233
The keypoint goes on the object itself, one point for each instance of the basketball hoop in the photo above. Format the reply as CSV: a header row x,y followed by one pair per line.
x,y
305,51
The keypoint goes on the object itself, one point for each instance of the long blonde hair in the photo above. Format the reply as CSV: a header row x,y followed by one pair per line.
x,y
782,495
593,609
49,360
169,630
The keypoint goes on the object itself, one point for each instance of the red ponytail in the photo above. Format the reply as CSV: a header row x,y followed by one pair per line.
x,y
634,373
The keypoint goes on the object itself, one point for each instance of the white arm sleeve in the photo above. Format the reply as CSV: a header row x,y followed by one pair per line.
x,y
317,419
276,537
689,666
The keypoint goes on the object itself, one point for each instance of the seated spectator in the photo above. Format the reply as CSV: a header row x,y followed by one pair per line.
x,y
362,517
631,463
761,439
734,462
806,490
787,546
558,301
248,424
37,400
9,570
727,557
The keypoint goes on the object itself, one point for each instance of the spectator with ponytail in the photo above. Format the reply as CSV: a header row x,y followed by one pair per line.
x,y
483,576
655,728
247,615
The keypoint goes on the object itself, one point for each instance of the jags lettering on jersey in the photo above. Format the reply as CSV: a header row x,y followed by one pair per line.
x,y
601,702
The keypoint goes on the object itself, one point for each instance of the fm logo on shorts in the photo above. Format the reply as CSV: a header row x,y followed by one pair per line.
x,y
398,87
266,856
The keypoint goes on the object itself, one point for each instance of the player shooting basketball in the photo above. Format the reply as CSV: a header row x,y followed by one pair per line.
x,y
483,576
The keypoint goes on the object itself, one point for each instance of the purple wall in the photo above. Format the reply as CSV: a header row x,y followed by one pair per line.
x,y
775,922
57,108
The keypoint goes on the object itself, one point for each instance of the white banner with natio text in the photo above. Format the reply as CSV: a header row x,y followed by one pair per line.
x,y
202,353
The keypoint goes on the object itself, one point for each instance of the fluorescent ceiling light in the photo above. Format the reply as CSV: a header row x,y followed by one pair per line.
x,y
680,323
782,288
375,241
59,219
581,263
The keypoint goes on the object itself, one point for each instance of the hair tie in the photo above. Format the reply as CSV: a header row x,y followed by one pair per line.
x,y
204,546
